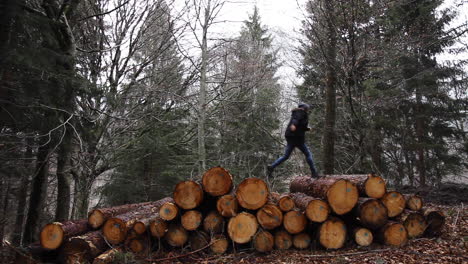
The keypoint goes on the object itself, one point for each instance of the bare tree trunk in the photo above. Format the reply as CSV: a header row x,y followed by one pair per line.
x,y
421,164
63,179
330,92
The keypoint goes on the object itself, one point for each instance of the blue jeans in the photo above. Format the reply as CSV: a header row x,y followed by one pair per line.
x,y
302,147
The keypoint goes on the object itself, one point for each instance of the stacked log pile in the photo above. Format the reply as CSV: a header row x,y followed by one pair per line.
x,y
214,215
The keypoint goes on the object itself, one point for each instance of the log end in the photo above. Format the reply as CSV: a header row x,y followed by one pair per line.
x,y
286,203
114,230
263,241
219,244
136,245
435,222
188,195
301,241
283,240
168,211
52,236
217,181
363,237
252,193
414,202
198,240
139,228
213,223
242,227
415,225
395,203
191,220
176,236
317,211
332,233
158,227
395,234
294,222
227,205
375,186
96,219
373,214
342,196
270,216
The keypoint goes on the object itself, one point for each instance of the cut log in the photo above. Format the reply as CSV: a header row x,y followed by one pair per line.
x,y
242,227
316,210
435,222
198,240
141,225
393,234
227,205
168,211
213,223
138,245
263,241
158,227
301,241
332,233
372,213
270,216
369,185
284,201
395,203
414,223
108,256
413,202
283,240
84,248
252,193
97,217
116,228
191,220
341,194
219,244
176,235
217,181
188,195
294,222
54,234
362,236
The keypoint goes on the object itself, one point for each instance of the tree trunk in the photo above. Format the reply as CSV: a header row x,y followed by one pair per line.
x,y
302,241
242,227
284,201
217,181
84,248
332,233
252,193
263,241
316,210
176,235
54,234
395,203
294,222
39,186
188,195
270,216
372,213
283,240
393,234
81,202
420,135
191,220
227,205
63,179
341,194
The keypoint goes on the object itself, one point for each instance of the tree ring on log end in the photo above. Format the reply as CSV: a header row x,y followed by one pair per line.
x,y
217,181
375,186
395,234
52,236
227,205
96,219
242,227
252,193
332,233
188,194
270,216
395,203
191,220
283,240
263,241
301,241
168,211
373,213
115,230
414,203
158,228
317,210
415,225
294,222
342,196
286,203
363,237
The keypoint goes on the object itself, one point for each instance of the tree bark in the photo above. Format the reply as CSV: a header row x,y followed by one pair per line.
x,y
63,179
84,248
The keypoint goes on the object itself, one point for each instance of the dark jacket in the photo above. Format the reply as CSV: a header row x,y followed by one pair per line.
x,y
300,119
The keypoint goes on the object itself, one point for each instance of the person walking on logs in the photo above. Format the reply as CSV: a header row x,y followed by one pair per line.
x,y
295,138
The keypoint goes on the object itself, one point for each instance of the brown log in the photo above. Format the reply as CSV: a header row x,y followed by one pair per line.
x,y
294,222
108,256
97,217
138,245
301,240
227,205
435,222
270,216
283,240
158,227
414,223
213,223
176,235
219,244
371,213
395,203
263,241
332,233
341,194
116,228
242,227
191,220
54,234
142,225
316,210
362,236
199,240
84,248
393,234
369,185
168,211
252,193
188,195
413,202
217,181
284,201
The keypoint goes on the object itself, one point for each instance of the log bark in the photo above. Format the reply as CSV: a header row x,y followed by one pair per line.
x,y
332,233
217,181
158,227
108,256
191,220
213,223
283,240
252,193
414,222
393,234
316,210
176,235
413,202
294,222
168,211
188,195
369,185
54,234
227,205
263,241
242,227
301,241
284,201
395,203
362,236
198,240
371,213
84,248
219,244
435,222
341,194
270,216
